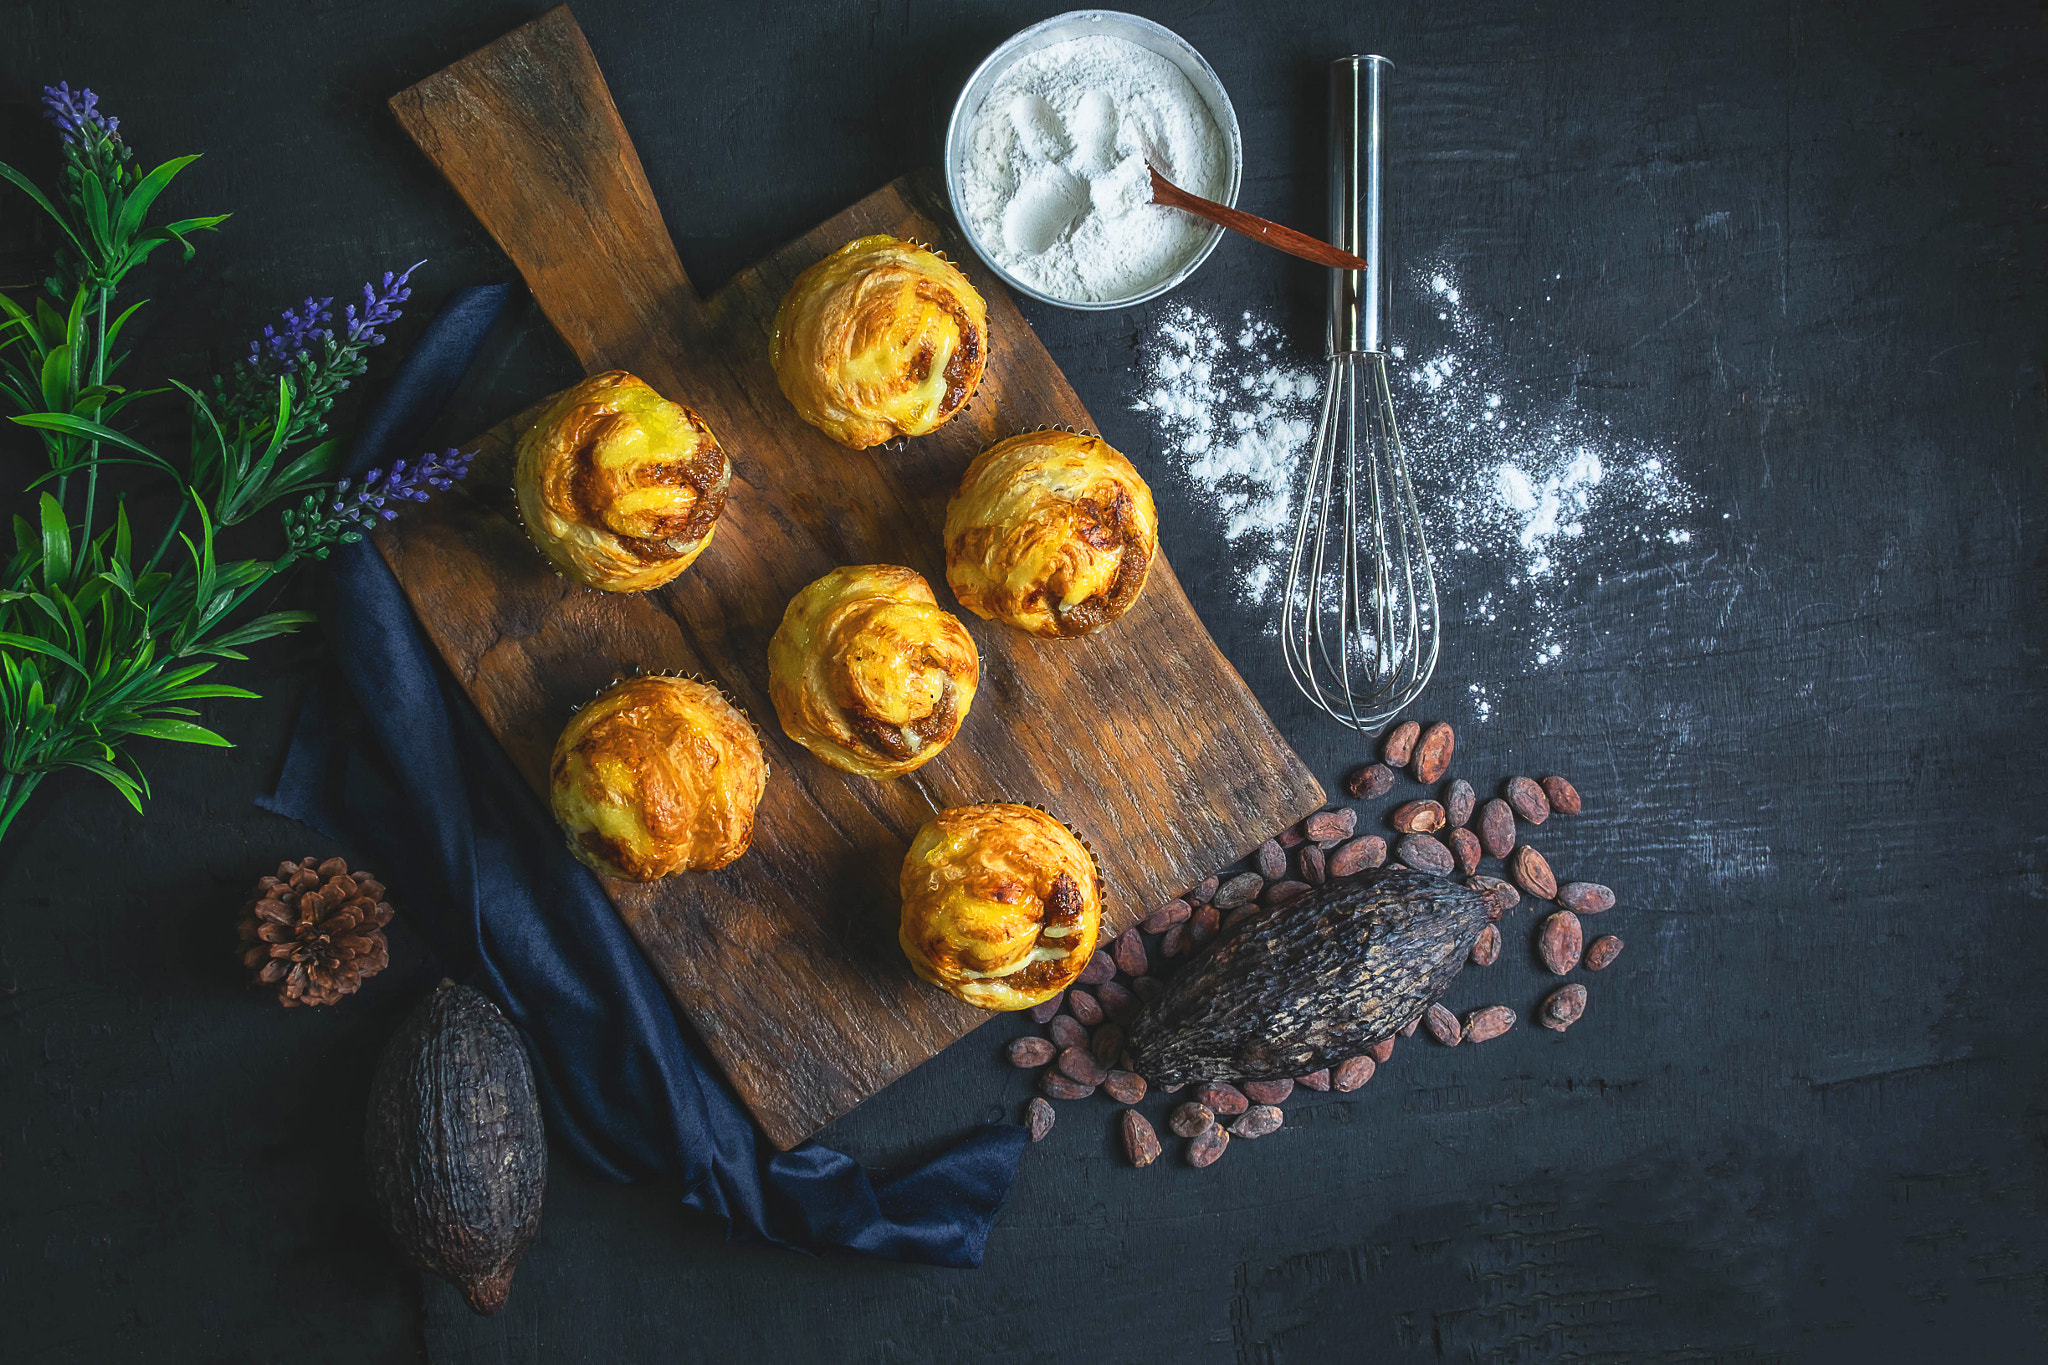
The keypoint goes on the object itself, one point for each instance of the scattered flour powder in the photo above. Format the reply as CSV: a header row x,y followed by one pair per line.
x,y
1055,185
1513,481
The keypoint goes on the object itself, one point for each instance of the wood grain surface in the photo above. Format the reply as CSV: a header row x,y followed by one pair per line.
x,y
1143,738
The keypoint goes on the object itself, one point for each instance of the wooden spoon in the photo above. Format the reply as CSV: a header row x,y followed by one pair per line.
x,y
1286,239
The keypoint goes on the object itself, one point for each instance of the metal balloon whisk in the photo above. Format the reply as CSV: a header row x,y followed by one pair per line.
x,y
1359,624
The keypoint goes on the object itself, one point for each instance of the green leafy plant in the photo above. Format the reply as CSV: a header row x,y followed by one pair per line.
x,y
106,641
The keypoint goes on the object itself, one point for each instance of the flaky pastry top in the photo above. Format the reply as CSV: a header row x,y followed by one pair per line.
x,y
1001,905
1052,532
657,775
618,487
881,339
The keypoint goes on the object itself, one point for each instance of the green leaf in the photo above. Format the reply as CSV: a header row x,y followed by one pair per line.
x,y
43,647
56,540
120,781
144,194
261,628
183,731
114,327
27,187
92,199
92,431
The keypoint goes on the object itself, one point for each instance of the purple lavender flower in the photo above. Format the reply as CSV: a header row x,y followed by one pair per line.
x,y
279,351
380,306
76,112
365,506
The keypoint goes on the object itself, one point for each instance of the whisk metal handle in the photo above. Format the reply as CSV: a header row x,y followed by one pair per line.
x,y
1358,298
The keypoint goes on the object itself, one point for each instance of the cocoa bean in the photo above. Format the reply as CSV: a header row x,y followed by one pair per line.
x,y
1268,1092
1125,1087
1141,1144
1223,1097
1044,1010
1147,988
1425,854
1530,871
1205,1147
1129,954
1078,1065
1173,1089
1459,803
1399,745
1118,1003
1058,1086
1101,967
1369,781
1243,912
1258,1121
1314,864
1238,890
1191,1118
1465,851
1486,951
1585,898
1066,1031
1166,916
1485,1025
1559,941
1407,1030
1602,951
1106,1045
1271,860
1562,1007
1084,1007
1174,942
1356,855
1417,817
1284,893
1433,754
1291,837
1351,1073
1203,893
1383,1051
1497,828
1203,926
1528,800
1328,827
1314,1080
1443,1026
1501,896
1031,1051
1038,1116
1562,795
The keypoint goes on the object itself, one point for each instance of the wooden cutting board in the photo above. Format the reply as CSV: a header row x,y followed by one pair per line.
x,y
1143,738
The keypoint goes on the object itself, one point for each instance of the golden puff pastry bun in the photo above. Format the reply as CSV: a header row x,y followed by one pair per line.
x,y
657,775
881,339
869,673
620,488
1001,905
1052,532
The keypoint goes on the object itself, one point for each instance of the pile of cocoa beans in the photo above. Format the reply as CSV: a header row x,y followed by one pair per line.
x,y
1451,832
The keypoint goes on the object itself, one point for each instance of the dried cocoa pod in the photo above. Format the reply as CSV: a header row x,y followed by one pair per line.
x,y
1497,828
1329,827
1486,951
1031,1051
1038,1117
1118,1003
1044,1010
1268,1092
1417,817
1443,1026
1351,1073
1369,781
1125,1087
1433,754
1501,896
1204,892
1425,854
1101,967
1258,1121
1129,954
1174,942
1191,1118
1602,951
1203,926
1058,1086
1271,860
1562,795
1078,1064
1562,1007
1281,893
1206,1146
1147,988
1383,1051
1464,851
1485,1025
1066,1031
1141,1144
1585,898
1314,1080
1314,864
1407,1030
1559,941
1166,916
1358,855
1397,746
1222,1097
1530,871
1528,800
1084,1007
1239,890
1459,803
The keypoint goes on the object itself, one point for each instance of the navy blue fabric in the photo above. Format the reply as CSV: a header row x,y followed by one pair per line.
x,y
390,758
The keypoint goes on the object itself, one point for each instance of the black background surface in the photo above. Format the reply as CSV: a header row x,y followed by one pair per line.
x,y
1805,1116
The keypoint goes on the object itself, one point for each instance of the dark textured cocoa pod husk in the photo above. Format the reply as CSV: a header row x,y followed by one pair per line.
x,y
1433,753
1309,984
1562,795
1459,802
1399,745
1369,781
1497,828
458,1161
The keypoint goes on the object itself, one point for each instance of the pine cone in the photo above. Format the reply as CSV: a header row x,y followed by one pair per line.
x,y
315,931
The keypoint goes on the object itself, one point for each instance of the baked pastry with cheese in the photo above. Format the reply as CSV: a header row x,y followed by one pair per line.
x,y
881,339
869,673
1001,905
657,775
618,487
1052,532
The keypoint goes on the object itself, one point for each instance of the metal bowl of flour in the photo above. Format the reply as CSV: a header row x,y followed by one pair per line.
x,y
1092,23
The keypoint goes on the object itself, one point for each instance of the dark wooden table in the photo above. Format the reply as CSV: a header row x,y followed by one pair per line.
x,y
1799,246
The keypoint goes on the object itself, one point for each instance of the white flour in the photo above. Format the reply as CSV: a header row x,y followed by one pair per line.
x,y
1055,185
1521,492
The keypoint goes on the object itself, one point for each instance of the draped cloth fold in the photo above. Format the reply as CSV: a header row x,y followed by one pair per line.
x,y
390,758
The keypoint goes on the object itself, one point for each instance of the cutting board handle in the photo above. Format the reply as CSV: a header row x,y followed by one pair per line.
x,y
526,132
